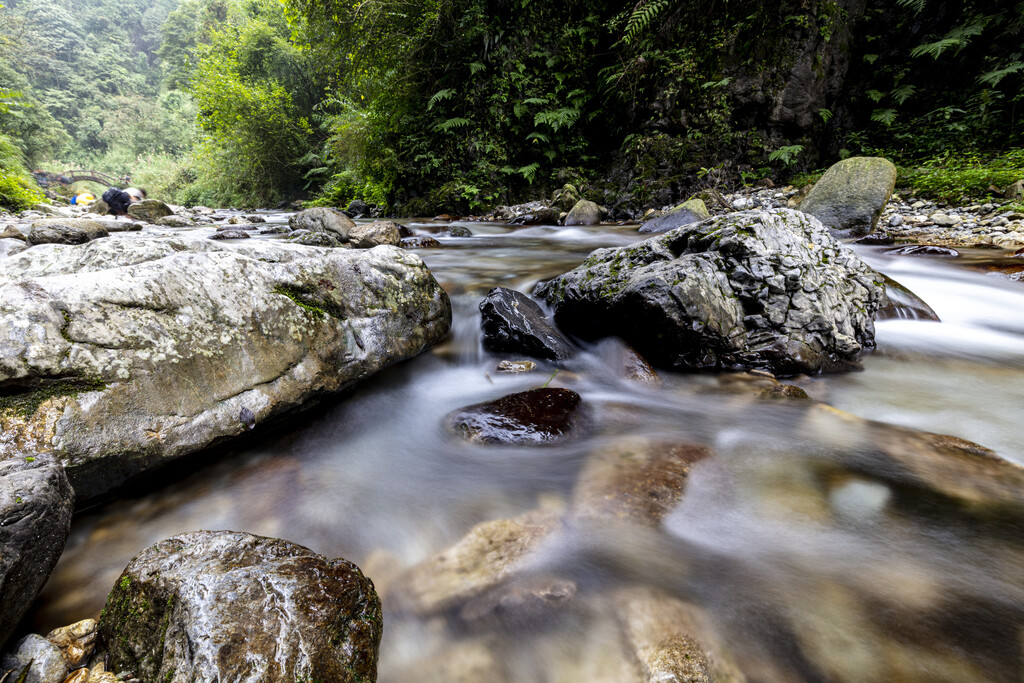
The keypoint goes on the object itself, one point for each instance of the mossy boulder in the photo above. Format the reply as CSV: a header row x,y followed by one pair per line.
x,y
690,211
757,289
228,606
129,353
149,210
850,197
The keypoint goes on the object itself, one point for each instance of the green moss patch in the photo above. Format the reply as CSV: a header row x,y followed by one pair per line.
x,y
304,300
24,402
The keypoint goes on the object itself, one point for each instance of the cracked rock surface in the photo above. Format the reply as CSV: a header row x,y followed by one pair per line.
x,y
755,289
229,606
124,353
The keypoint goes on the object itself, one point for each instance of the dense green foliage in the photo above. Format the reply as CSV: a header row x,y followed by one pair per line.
x,y
425,106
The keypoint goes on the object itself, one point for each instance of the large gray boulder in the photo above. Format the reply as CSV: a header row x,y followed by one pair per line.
x,y
65,231
228,606
368,235
323,219
133,351
756,289
690,211
850,197
36,502
44,660
149,210
584,212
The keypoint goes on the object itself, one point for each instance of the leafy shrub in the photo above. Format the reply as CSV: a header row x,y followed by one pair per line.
x,y
953,177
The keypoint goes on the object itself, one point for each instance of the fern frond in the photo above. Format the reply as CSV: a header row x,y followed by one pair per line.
x,y
916,5
440,95
557,118
451,124
641,18
884,116
992,78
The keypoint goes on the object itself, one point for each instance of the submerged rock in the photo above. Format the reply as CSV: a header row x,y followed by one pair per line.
x,y
232,234
129,353
850,197
228,606
760,289
924,250
513,323
537,416
691,211
902,304
36,502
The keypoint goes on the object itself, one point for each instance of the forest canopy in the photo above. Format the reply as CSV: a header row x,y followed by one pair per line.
x,y
423,106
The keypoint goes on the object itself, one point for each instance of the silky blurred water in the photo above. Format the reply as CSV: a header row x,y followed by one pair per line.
x,y
798,538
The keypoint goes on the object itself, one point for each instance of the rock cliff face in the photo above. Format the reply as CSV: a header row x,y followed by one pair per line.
x,y
125,353
756,289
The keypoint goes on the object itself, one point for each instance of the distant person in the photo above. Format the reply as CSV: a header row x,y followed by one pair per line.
x,y
117,201
135,193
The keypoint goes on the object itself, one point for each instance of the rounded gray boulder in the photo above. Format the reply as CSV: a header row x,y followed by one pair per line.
x,y
850,197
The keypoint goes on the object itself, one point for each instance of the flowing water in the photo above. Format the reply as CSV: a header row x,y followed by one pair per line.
x,y
801,548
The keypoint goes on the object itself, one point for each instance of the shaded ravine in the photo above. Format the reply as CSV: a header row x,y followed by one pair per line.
x,y
805,570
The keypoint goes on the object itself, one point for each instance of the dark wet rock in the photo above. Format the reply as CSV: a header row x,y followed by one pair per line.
x,y
584,213
546,215
322,219
47,663
635,479
149,210
760,289
419,242
404,232
227,606
538,416
275,230
144,350
231,234
880,239
242,227
636,367
36,502
691,211
850,197
924,250
902,304
515,367
254,218
368,235
329,240
513,323
357,207
479,563
65,231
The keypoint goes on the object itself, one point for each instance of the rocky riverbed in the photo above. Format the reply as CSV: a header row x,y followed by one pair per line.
x,y
550,509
